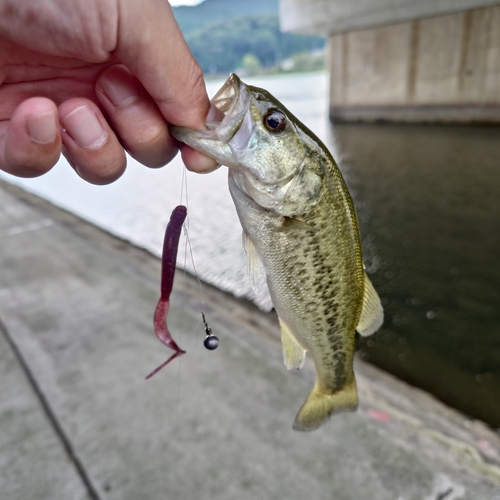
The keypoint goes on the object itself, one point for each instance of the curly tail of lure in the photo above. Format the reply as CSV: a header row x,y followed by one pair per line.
x,y
169,257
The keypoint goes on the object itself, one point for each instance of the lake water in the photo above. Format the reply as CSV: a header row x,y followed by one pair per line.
x,y
429,207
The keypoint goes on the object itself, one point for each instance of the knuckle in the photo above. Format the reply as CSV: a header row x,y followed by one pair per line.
x,y
190,104
196,83
151,134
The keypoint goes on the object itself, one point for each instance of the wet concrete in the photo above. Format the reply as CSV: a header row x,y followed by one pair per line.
x,y
78,420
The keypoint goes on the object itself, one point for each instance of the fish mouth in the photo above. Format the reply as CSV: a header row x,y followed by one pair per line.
x,y
231,104
226,97
228,125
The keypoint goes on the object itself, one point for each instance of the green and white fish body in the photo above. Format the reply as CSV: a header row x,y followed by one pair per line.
x,y
300,234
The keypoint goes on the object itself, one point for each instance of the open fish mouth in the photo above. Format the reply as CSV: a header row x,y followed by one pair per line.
x,y
229,126
232,101
226,97
229,108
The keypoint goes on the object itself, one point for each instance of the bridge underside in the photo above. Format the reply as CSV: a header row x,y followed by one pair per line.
x,y
432,69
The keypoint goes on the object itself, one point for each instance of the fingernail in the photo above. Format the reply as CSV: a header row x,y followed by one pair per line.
x,y
84,128
42,129
119,86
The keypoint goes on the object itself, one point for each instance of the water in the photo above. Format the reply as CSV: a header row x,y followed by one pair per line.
x,y
428,200
428,204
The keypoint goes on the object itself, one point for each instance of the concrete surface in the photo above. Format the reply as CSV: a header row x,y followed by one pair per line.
x,y
78,420
440,69
408,61
328,17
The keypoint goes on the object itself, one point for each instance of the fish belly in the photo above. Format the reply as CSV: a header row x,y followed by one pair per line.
x,y
315,278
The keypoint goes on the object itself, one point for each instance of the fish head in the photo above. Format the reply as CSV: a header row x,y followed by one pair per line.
x,y
267,150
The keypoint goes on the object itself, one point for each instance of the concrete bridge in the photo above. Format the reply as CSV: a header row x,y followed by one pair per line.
x,y
407,60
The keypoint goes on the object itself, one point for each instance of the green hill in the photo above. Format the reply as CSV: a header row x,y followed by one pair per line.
x,y
250,40
228,34
213,11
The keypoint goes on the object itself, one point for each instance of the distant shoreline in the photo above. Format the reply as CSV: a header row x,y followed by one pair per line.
x,y
210,77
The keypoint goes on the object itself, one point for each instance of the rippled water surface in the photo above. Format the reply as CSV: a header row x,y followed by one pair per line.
x,y
429,207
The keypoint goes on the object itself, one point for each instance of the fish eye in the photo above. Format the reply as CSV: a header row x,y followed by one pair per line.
x,y
275,121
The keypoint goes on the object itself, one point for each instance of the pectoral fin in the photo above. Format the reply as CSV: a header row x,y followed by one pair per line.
x,y
372,314
293,353
256,268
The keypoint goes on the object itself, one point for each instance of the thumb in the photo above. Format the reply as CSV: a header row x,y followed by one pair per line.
x,y
151,45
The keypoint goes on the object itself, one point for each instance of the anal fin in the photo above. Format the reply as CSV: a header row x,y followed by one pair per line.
x,y
372,314
293,353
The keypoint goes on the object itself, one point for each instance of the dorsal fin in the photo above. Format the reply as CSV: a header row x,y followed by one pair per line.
x,y
293,353
372,314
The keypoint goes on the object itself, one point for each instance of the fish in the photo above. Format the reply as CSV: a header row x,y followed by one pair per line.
x,y
301,237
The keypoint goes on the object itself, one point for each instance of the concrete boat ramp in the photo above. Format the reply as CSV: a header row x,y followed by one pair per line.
x,y
78,420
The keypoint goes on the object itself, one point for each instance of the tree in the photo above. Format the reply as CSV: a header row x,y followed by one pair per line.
x,y
221,47
251,64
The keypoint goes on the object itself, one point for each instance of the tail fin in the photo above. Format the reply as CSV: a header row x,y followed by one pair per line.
x,y
322,403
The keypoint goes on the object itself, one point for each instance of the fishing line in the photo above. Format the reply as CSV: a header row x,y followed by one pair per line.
x,y
183,200
184,187
211,342
188,244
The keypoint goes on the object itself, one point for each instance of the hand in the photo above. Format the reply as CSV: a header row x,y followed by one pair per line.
x,y
91,78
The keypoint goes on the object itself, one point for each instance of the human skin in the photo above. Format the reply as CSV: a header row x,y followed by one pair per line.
x,y
92,78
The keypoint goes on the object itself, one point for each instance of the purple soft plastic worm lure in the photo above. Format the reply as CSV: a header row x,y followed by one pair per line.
x,y
169,256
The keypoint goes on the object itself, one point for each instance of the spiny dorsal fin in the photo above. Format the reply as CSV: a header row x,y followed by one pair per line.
x,y
372,315
256,268
293,353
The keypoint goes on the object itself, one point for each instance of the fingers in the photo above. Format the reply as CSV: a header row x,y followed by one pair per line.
x,y
172,91
90,145
135,117
196,161
30,144
160,58
139,123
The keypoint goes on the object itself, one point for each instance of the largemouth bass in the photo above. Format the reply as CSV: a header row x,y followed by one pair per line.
x,y
300,234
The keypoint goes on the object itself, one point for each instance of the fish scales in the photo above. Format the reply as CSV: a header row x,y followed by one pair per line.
x,y
300,233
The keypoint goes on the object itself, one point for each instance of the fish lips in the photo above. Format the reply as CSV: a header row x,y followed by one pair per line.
x,y
224,139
